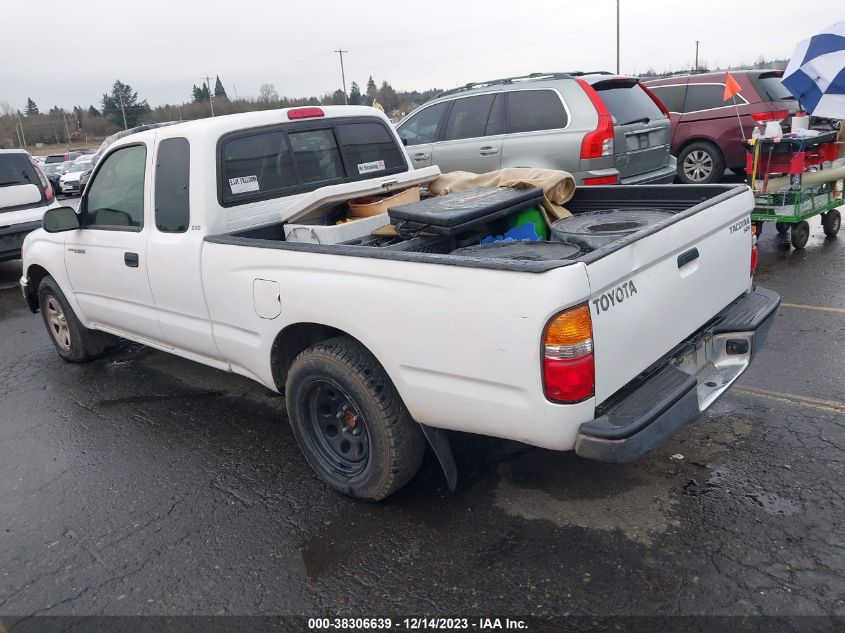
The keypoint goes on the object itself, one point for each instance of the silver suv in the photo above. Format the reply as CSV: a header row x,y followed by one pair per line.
x,y
602,128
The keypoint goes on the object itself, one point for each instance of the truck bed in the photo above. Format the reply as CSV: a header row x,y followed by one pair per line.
x,y
682,202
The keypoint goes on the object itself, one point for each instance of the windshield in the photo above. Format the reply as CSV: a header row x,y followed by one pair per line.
x,y
79,167
52,168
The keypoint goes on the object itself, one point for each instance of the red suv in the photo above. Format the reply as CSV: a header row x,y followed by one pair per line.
x,y
705,128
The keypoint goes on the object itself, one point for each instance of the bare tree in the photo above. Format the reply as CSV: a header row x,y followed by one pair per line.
x,y
267,93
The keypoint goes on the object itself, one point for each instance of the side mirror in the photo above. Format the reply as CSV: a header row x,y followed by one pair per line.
x,y
405,142
60,219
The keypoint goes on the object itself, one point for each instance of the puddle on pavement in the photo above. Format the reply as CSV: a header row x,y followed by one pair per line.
x,y
737,485
637,499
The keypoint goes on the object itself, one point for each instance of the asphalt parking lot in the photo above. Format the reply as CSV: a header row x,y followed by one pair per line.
x,y
146,484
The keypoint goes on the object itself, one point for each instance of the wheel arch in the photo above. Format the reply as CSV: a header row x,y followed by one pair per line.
x,y
34,274
294,339
699,139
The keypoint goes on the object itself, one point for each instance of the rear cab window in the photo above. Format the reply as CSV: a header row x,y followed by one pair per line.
x,y
271,162
535,110
16,169
627,101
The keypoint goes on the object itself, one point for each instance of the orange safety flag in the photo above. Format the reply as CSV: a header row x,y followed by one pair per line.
x,y
731,87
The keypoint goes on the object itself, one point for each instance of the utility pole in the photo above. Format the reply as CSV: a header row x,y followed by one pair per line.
x,y
210,94
122,109
23,136
67,132
617,37
343,75
696,55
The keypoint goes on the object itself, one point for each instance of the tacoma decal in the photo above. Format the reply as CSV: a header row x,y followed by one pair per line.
x,y
743,225
612,297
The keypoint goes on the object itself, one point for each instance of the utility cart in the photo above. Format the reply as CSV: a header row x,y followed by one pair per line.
x,y
798,193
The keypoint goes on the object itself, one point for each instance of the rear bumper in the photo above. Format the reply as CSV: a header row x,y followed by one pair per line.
x,y
11,239
684,385
662,176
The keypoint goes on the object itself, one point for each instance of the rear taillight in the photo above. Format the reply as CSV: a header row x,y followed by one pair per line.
x,y
773,115
305,113
599,142
568,365
602,180
755,253
656,100
45,184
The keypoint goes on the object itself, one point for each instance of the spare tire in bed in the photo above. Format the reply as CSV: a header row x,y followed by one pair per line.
x,y
595,229
520,251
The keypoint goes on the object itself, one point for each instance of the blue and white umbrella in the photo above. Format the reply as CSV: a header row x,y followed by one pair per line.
x,y
816,73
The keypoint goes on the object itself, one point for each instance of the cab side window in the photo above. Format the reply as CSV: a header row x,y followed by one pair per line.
x,y
115,198
173,169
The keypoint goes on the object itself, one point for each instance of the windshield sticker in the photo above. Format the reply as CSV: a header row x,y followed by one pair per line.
x,y
366,168
243,184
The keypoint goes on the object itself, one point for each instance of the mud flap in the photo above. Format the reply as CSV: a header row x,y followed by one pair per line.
x,y
439,442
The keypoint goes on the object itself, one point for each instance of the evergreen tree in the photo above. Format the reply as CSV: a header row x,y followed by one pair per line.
x,y
30,108
122,106
219,90
372,91
200,95
387,97
92,111
355,95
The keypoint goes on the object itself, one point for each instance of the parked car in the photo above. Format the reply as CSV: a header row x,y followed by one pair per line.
x,y
602,128
185,240
60,158
705,128
74,179
54,171
25,194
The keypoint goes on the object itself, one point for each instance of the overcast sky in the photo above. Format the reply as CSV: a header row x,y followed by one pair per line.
x,y
162,47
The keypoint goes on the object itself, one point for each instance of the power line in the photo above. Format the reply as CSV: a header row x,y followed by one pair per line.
x,y
343,75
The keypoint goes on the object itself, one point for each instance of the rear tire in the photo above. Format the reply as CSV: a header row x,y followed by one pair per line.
x,y
74,342
758,228
831,222
782,227
350,421
700,163
800,234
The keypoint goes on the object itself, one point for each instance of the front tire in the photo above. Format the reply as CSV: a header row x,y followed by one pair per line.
x,y
800,233
700,163
350,421
74,342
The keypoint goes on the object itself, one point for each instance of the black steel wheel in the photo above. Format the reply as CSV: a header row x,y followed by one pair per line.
x,y
800,234
350,422
338,436
782,227
831,222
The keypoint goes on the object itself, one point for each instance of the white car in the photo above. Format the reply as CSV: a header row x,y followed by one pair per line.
x,y
74,179
25,194
215,240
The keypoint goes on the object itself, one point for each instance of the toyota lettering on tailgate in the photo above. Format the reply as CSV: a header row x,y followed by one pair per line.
x,y
615,296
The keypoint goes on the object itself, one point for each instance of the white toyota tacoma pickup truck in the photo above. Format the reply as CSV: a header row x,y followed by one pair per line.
x,y
189,239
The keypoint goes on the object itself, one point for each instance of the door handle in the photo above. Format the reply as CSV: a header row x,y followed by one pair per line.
x,y
131,259
421,156
487,150
685,258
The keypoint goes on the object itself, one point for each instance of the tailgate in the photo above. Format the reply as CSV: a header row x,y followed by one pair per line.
x,y
649,295
641,131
